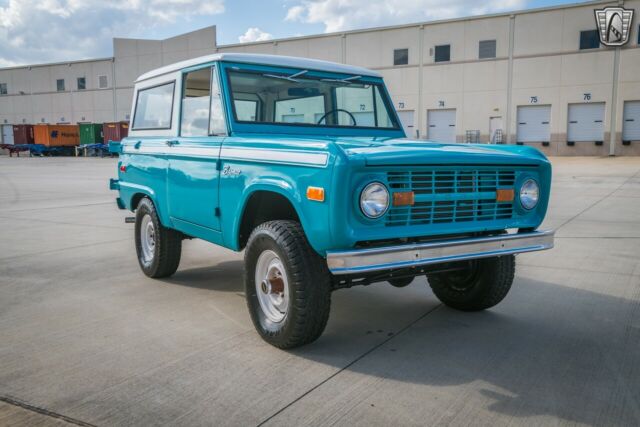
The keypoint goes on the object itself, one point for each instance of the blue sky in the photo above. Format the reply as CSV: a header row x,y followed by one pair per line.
x,y
38,31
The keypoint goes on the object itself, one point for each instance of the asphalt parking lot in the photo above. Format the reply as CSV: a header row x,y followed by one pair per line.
x,y
85,338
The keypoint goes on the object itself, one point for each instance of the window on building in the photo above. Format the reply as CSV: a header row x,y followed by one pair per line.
x,y
60,85
82,83
154,107
638,34
443,53
589,39
400,56
3,88
102,82
487,49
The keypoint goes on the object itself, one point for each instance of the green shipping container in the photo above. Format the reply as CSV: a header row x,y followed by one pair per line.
x,y
91,133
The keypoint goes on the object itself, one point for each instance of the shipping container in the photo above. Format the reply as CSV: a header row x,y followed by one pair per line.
x,y
115,131
56,135
7,134
90,133
23,134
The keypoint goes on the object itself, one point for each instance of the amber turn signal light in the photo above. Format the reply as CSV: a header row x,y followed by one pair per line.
x,y
405,198
315,193
504,195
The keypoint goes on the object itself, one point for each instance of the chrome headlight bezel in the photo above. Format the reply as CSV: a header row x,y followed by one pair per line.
x,y
369,206
529,194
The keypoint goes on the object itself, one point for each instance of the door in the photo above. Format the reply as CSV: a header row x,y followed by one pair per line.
x,y
495,130
586,122
193,176
631,121
441,125
7,134
406,118
534,123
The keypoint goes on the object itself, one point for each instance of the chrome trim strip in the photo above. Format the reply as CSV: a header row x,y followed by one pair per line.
x,y
246,154
413,255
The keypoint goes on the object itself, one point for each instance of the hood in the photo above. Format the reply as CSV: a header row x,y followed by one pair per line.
x,y
403,151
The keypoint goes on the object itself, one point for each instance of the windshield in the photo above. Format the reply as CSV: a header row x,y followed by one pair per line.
x,y
298,99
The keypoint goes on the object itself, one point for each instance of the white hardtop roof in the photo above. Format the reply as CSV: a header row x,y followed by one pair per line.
x,y
250,58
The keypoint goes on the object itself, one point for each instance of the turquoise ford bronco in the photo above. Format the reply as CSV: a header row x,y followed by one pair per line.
x,y
304,165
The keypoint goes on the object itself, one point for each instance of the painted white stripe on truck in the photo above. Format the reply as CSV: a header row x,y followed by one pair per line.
x,y
249,154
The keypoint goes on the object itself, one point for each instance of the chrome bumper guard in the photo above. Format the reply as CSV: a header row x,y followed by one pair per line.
x,y
414,255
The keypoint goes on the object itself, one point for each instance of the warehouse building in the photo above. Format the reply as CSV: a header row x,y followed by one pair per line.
x,y
536,77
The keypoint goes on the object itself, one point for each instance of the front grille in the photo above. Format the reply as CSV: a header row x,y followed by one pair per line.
x,y
450,196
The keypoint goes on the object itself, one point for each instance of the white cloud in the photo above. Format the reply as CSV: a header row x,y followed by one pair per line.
x,y
338,15
254,34
36,31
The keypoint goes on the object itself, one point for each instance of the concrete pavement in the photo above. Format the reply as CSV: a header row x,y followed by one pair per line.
x,y
85,338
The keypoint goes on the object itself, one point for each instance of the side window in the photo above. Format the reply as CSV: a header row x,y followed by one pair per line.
x,y
154,107
217,124
196,91
246,110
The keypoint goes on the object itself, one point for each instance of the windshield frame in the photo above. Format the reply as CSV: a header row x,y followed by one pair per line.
x,y
307,128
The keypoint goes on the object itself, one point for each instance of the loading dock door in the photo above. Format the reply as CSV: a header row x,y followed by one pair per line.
x,y
631,121
441,125
7,134
533,123
586,122
406,119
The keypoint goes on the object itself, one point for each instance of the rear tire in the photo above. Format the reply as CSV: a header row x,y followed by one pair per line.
x,y
481,285
287,285
402,282
158,248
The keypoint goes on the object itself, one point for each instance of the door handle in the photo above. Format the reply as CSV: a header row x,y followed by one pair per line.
x,y
171,142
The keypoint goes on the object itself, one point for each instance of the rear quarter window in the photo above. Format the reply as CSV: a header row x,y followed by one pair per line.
x,y
154,107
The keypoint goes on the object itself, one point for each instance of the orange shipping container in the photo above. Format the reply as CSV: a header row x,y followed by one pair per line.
x,y
56,135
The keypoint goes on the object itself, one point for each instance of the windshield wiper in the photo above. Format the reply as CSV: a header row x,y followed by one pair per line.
x,y
346,81
291,78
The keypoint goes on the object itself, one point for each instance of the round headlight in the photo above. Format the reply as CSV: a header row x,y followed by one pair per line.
x,y
529,194
374,200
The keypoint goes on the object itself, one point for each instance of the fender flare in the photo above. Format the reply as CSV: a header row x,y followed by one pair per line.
x,y
272,185
134,190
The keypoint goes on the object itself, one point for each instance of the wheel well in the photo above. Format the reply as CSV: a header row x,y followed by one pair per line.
x,y
261,207
136,199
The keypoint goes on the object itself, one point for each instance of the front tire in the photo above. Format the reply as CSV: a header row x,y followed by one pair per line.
x,y
158,248
287,285
479,285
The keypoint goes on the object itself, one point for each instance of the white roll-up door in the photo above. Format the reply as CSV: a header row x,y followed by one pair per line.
x,y
406,119
534,123
441,125
586,122
7,134
631,121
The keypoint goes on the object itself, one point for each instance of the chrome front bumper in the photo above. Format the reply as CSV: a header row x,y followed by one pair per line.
x,y
414,255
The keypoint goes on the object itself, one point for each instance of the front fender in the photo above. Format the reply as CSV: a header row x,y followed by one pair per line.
x,y
312,214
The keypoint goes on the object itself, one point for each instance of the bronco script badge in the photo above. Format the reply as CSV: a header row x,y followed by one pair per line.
x,y
613,24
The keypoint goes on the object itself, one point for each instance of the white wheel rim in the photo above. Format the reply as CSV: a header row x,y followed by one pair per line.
x,y
272,286
147,239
